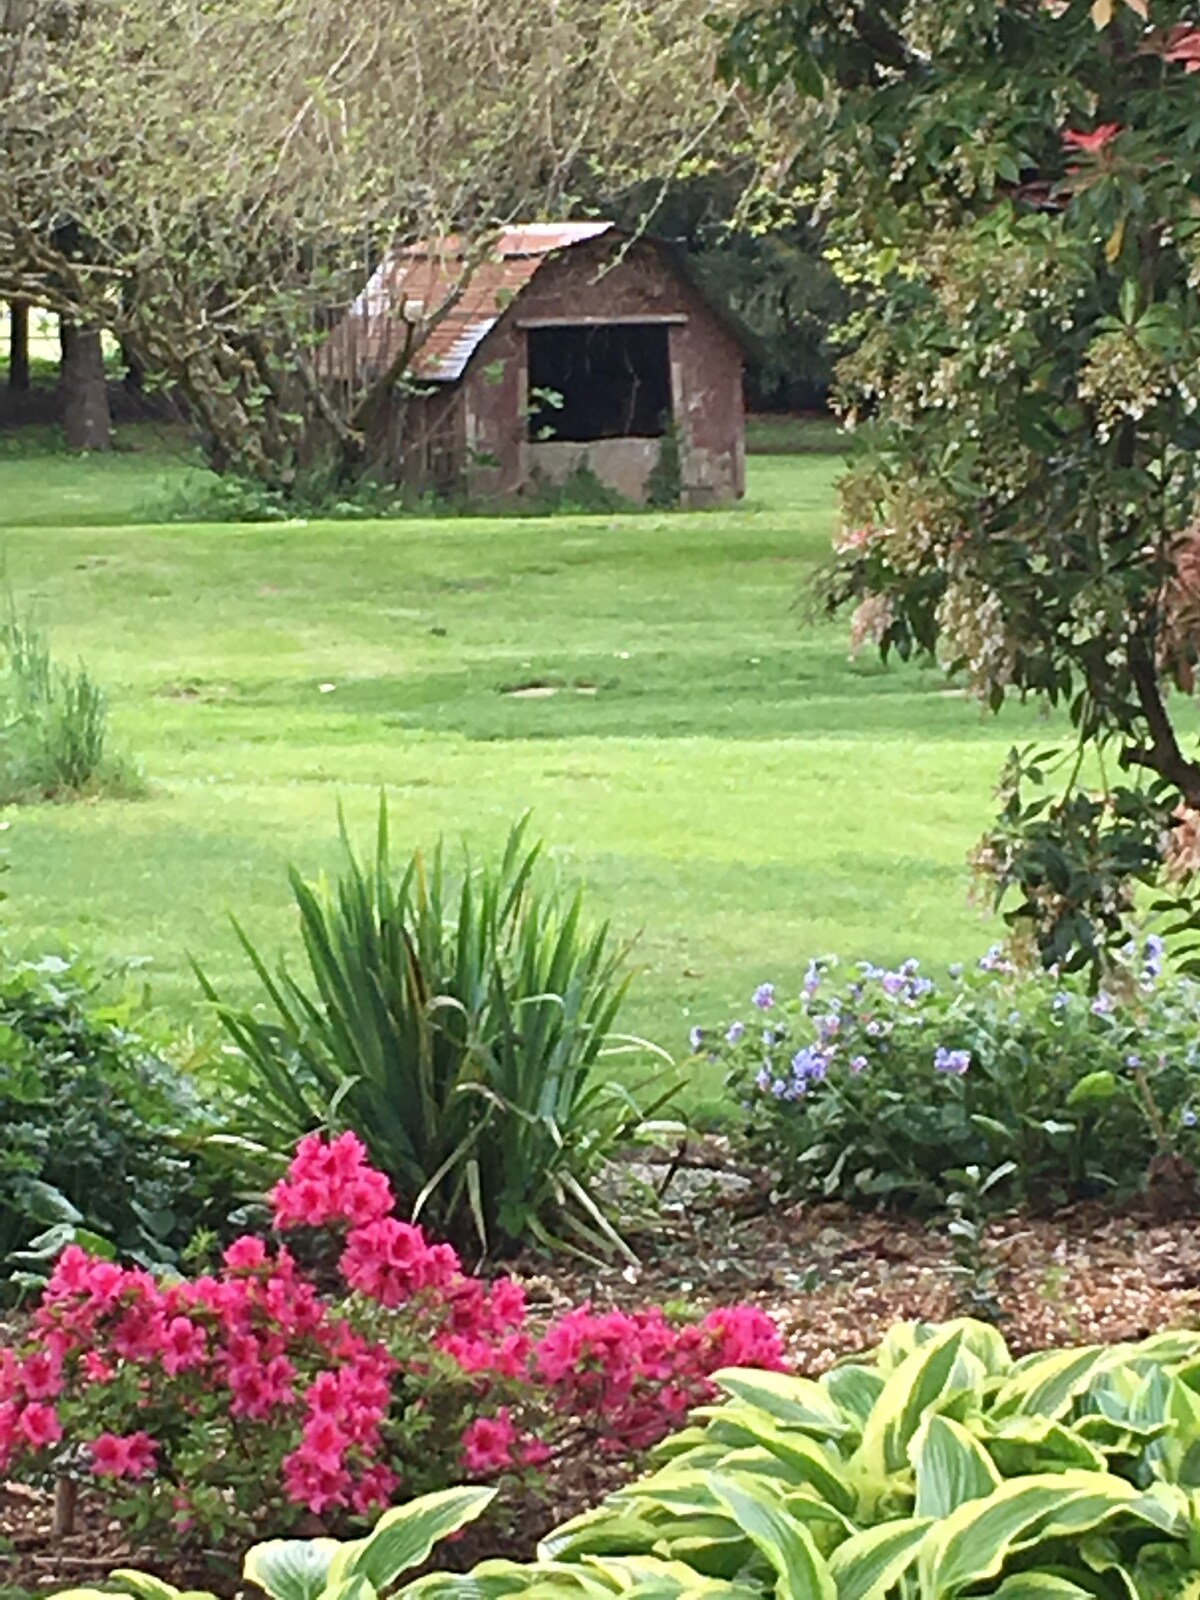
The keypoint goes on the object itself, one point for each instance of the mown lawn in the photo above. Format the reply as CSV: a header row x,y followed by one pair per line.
x,y
737,794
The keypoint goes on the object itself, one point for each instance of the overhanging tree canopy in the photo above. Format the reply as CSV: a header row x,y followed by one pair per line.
x,y
1012,188
216,181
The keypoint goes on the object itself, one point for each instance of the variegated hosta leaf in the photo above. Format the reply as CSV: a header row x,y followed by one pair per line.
x,y
975,1541
869,1564
404,1537
803,1573
951,1467
287,1569
792,1402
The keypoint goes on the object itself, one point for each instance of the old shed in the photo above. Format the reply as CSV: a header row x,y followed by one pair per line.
x,y
567,346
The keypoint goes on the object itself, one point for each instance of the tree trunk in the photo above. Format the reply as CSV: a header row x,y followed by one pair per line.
x,y
84,388
18,345
66,1493
135,372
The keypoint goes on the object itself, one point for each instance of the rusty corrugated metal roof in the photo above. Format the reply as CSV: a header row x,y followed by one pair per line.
x,y
416,282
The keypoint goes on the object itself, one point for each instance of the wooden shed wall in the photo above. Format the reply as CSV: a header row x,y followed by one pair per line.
x,y
484,415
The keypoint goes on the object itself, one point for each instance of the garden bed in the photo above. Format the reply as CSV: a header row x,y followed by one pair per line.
x,y
833,1280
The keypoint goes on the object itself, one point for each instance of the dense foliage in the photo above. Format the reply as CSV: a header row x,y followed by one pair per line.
x,y
461,1030
937,1467
1010,192
96,1129
886,1085
788,298
238,1400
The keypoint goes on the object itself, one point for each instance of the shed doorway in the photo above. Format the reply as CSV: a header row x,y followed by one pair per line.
x,y
599,381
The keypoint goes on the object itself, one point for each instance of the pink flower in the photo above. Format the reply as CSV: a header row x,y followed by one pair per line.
x,y
1183,45
532,1452
559,1350
487,1443
39,1426
41,1375
743,1336
330,1183
324,1442
95,1368
374,1490
9,1412
138,1335
1091,143
183,1346
122,1456
307,1483
71,1272
257,1388
141,1453
324,1395
244,1254
506,1304
386,1260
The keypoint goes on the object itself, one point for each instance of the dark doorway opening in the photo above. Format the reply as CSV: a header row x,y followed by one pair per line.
x,y
610,381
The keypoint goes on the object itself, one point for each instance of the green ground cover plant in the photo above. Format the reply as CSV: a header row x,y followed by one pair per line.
x,y
460,1018
704,736
936,1467
887,1085
100,1135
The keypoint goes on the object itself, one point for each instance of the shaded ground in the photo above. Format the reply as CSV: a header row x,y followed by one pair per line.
x,y
833,1280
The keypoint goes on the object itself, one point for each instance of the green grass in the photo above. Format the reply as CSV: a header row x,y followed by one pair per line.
x,y
792,434
735,791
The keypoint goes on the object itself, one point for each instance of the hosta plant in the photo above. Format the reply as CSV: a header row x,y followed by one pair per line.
x,y
938,1467
306,1569
877,1084
461,1028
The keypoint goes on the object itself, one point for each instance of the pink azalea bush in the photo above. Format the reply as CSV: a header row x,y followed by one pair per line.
x,y
239,1400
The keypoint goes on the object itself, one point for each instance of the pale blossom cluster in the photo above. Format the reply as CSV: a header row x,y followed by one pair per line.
x,y
971,632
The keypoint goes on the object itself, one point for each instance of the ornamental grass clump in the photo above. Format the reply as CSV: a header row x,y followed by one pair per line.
x,y
876,1084
463,1027
54,742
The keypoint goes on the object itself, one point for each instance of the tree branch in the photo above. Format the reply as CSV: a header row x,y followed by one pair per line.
x,y
1162,755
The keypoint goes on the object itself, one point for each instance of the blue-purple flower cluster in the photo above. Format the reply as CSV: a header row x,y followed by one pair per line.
x,y
877,1080
957,1063
836,1023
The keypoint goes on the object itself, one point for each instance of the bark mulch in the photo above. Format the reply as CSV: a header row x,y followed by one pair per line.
x,y
833,1279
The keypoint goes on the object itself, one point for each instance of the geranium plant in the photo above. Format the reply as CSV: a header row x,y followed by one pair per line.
x,y
873,1083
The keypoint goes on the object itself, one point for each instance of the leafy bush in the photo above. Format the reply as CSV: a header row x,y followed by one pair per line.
x,y
887,1084
317,495
938,1467
235,1401
460,1030
580,493
54,742
95,1127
